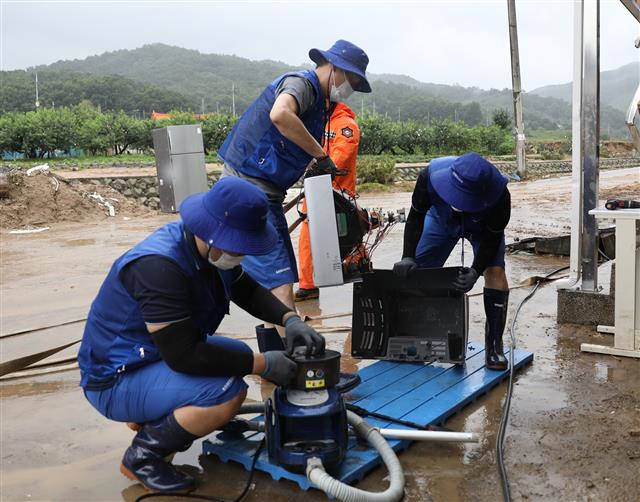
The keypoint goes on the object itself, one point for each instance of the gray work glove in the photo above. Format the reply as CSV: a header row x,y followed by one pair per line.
x,y
279,369
298,333
405,267
467,277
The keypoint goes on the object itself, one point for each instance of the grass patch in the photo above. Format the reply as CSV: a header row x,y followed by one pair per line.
x,y
86,162
373,187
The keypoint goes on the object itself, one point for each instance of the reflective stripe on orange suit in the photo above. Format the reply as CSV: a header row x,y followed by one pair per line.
x,y
342,146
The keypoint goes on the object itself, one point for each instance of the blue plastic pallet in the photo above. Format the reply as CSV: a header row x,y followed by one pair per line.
x,y
422,393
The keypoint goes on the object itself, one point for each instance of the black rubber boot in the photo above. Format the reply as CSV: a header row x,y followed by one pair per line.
x,y
495,308
269,339
144,460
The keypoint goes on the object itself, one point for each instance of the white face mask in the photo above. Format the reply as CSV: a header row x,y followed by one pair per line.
x,y
342,92
226,261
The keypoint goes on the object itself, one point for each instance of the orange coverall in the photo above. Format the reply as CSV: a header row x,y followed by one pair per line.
x,y
342,136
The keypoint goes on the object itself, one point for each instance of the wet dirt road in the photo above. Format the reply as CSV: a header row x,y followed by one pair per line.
x,y
575,424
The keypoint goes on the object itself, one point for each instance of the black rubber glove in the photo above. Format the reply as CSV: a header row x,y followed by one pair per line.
x,y
325,165
299,333
467,277
405,267
279,369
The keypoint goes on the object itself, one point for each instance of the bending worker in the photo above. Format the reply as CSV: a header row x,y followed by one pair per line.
x,y
342,136
464,197
279,135
146,355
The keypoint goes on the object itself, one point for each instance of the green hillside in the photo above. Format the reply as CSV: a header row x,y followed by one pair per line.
x,y
617,87
68,88
195,77
208,76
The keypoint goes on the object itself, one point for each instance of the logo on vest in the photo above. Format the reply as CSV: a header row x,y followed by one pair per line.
x,y
347,132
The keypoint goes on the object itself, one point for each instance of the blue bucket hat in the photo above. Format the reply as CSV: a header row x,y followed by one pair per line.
x,y
232,216
470,183
347,57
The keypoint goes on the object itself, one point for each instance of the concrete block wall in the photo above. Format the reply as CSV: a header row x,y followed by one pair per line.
x,y
145,188
142,188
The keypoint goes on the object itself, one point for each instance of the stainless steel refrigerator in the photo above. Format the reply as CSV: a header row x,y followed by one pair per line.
x,y
179,152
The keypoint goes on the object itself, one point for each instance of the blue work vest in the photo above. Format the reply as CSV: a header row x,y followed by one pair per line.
x,y
256,148
466,225
115,337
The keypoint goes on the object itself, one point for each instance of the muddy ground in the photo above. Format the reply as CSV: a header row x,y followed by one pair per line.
x,y
574,431
44,199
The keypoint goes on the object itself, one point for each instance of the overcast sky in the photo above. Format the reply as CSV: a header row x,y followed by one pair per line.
x,y
464,42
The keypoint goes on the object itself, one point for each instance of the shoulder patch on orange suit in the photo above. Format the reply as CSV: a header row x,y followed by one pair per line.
x,y
347,132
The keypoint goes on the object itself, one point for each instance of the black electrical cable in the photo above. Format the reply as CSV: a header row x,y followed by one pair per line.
x,y
212,498
604,255
506,493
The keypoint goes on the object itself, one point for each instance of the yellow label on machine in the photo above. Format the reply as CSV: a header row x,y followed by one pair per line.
x,y
314,384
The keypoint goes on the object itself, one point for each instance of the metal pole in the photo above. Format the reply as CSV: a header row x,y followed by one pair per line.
x,y
233,99
590,141
517,89
576,148
37,98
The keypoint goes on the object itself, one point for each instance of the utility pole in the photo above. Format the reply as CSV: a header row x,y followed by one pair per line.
x,y
233,99
202,106
398,114
37,99
361,106
517,89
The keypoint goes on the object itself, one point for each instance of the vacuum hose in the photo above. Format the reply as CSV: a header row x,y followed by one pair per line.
x,y
250,408
342,491
331,486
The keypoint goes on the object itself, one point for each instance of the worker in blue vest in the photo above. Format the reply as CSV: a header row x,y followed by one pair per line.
x,y
463,197
147,355
278,137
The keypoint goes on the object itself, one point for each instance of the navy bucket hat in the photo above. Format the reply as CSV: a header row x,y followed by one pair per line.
x,y
470,183
232,216
347,57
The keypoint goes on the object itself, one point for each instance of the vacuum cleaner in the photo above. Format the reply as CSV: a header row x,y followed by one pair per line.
x,y
307,418
307,427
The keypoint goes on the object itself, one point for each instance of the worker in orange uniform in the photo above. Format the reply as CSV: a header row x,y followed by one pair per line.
x,y
342,137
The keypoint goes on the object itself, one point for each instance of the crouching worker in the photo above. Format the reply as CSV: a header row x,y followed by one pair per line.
x,y
146,355
464,197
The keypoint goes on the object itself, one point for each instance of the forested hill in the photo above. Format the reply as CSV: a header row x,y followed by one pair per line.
x,y
617,87
68,88
174,77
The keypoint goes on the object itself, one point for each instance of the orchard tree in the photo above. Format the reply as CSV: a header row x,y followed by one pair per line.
x,y
501,118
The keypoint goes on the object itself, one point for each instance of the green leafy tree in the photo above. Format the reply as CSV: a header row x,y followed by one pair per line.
x,y
94,135
215,129
377,134
501,119
125,131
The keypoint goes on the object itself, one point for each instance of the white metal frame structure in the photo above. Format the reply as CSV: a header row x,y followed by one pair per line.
x,y
626,329
633,119
585,146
